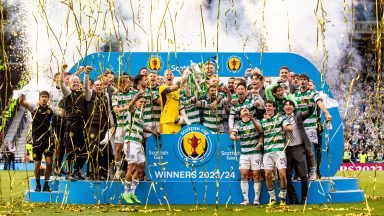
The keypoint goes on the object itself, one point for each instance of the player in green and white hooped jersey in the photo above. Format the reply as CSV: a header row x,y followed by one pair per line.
x,y
304,97
154,103
212,118
250,134
243,101
140,83
274,126
119,104
133,148
188,109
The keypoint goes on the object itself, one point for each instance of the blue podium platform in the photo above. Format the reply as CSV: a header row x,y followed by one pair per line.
x,y
330,190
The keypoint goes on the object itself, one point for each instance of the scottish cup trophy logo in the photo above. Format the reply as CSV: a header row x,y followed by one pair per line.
x,y
194,145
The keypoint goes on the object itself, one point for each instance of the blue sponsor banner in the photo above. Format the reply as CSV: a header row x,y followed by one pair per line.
x,y
193,154
229,65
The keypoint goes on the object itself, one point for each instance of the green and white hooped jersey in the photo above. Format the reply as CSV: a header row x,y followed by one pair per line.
x,y
274,137
248,103
120,100
313,97
134,131
211,119
249,137
191,110
147,107
155,108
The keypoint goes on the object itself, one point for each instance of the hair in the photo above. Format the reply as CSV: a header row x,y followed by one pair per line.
x,y
304,76
143,69
274,90
100,77
137,79
123,78
212,86
290,103
242,84
241,81
139,97
67,74
231,78
270,102
286,68
258,76
43,93
243,109
108,71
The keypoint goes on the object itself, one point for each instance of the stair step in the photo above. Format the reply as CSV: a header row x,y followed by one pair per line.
x,y
53,182
347,196
51,197
342,183
83,192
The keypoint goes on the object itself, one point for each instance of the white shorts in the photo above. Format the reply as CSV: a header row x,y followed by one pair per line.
x,y
119,135
251,162
134,153
272,159
154,126
312,135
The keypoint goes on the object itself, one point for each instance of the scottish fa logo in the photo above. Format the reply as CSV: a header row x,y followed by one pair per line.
x,y
194,145
155,63
234,64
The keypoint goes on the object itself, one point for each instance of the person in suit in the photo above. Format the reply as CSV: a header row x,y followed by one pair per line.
x,y
285,79
297,141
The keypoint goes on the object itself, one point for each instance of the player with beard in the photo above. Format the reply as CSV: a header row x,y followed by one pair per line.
x,y
274,126
41,136
303,97
99,120
75,118
297,142
170,103
231,85
140,84
250,134
243,101
212,118
188,109
119,102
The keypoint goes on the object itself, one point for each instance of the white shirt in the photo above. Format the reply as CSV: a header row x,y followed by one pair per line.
x,y
295,131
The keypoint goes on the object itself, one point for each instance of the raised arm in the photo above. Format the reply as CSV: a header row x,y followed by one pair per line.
x,y
268,91
64,89
87,90
133,101
23,102
321,105
308,113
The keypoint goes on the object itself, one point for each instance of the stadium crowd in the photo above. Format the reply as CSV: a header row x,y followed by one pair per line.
x,y
103,124
363,123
